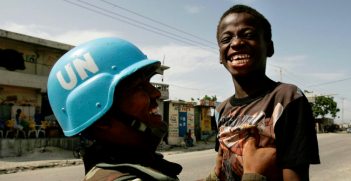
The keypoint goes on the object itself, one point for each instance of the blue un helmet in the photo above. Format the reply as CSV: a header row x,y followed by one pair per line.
x,y
81,84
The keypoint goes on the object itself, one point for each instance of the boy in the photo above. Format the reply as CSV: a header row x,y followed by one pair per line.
x,y
279,111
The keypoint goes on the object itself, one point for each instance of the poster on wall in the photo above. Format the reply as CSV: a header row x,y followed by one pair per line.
x,y
206,120
173,121
191,122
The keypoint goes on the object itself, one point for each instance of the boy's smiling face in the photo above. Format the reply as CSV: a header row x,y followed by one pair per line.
x,y
242,47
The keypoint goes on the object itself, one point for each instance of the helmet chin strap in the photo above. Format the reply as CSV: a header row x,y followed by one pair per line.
x,y
134,123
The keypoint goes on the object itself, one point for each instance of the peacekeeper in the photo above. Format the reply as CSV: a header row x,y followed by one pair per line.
x,y
102,90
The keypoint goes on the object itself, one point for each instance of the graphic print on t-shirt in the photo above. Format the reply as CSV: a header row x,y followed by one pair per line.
x,y
234,132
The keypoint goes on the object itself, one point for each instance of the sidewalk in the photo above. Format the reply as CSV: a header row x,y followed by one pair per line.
x,y
56,157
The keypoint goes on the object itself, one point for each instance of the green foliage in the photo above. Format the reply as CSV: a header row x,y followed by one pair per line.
x,y
213,98
323,106
192,99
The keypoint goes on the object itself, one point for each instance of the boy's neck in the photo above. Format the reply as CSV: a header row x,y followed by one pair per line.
x,y
248,85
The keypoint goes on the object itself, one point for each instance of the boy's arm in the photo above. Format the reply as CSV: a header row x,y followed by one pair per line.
x,y
296,140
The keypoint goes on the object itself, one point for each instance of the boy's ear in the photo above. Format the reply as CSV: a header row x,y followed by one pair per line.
x,y
220,60
270,49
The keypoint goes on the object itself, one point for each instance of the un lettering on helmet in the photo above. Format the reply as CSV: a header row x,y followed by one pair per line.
x,y
80,66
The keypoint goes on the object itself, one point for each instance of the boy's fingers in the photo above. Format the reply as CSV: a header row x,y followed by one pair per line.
x,y
253,140
220,151
218,168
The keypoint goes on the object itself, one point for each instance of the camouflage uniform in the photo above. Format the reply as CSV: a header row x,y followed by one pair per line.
x,y
125,172
103,161
246,177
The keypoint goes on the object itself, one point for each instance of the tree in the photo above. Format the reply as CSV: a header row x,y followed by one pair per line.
x,y
213,98
323,106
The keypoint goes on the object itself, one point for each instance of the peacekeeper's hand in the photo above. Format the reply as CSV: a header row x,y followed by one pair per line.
x,y
261,161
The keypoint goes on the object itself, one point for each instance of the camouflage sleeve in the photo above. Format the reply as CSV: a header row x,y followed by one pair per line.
x,y
101,174
212,177
253,177
246,177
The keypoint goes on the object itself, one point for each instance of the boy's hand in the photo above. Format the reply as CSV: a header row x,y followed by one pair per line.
x,y
218,169
261,161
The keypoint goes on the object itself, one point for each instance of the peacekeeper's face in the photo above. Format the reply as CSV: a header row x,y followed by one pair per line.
x,y
136,96
134,102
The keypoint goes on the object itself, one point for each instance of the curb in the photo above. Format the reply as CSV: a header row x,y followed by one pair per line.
x,y
52,164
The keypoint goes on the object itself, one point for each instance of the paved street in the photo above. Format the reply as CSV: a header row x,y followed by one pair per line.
x,y
334,152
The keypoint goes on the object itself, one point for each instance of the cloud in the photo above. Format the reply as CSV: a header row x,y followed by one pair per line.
x,y
242,1
193,72
288,62
193,9
73,37
81,36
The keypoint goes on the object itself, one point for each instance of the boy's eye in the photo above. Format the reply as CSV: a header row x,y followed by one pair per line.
x,y
249,35
226,40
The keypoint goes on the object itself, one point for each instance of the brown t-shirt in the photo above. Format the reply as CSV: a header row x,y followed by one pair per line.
x,y
284,119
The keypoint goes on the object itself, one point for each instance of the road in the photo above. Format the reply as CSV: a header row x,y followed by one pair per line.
x,y
334,152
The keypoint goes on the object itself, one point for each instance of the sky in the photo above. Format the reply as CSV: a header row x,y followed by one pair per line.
x,y
311,38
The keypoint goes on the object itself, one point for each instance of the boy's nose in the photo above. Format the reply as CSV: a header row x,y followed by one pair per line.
x,y
236,42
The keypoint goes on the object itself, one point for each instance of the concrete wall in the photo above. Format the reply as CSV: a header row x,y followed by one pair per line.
x,y
17,147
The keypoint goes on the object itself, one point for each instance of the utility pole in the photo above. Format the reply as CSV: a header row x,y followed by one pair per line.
x,y
342,111
281,75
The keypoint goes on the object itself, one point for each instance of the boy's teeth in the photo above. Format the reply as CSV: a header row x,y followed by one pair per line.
x,y
236,57
240,61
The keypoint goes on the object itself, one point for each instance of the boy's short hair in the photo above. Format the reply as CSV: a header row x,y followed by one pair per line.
x,y
255,14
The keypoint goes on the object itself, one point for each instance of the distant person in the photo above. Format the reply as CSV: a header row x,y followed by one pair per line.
x,y
81,141
18,120
20,124
279,111
18,117
188,139
38,118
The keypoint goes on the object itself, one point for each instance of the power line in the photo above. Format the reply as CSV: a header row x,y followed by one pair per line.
x,y
306,83
329,82
298,77
144,24
140,26
157,21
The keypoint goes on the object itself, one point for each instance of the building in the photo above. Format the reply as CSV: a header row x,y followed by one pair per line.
x,y
179,115
205,122
25,64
